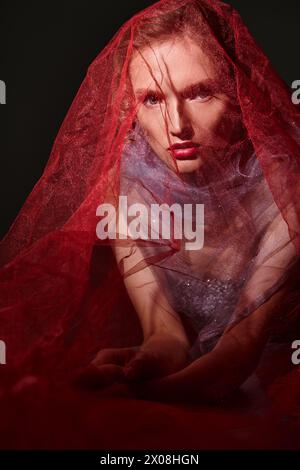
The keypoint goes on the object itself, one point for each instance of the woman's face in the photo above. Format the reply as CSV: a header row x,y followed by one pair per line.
x,y
180,102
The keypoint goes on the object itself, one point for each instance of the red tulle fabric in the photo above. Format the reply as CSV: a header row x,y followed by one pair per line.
x,y
63,296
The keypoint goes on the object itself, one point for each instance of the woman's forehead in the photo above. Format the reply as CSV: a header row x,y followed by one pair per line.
x,y
171,64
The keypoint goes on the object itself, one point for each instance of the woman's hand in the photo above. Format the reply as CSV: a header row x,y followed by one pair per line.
x,y
105,369
160,355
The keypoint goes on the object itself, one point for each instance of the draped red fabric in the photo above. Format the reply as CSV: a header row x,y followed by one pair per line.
x,y
63,291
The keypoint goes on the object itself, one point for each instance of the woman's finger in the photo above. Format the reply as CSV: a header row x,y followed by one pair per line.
x,y
119,356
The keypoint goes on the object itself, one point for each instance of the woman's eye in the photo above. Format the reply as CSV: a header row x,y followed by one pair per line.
x,y
202,96
152,100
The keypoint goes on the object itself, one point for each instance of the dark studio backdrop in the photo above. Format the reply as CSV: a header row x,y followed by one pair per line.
x,y
45,50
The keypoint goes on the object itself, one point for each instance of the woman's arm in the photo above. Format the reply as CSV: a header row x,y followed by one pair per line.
x,y
165,346
151,305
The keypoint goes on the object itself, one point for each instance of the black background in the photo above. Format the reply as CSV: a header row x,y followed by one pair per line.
x,y
45,50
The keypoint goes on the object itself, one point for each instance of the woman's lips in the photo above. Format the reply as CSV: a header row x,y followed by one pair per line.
x,y
185,153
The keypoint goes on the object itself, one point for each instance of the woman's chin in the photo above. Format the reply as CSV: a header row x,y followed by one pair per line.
x,y
188,165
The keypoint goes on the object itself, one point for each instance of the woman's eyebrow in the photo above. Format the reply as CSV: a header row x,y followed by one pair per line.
x,y
203,85
145,91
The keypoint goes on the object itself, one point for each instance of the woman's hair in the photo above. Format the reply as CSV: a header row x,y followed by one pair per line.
x,y
190,20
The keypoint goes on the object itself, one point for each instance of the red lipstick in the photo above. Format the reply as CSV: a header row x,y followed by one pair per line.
x,y
184,150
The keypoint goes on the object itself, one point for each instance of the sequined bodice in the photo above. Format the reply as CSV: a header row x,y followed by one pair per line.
x,y
209,304
205,301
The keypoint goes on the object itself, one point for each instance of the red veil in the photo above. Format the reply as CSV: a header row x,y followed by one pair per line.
x,y
62,292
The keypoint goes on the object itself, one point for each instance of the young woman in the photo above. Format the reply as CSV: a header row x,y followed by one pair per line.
x,y
189,129
181,110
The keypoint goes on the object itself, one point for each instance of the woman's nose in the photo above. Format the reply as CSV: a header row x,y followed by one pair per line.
x,y
179,123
